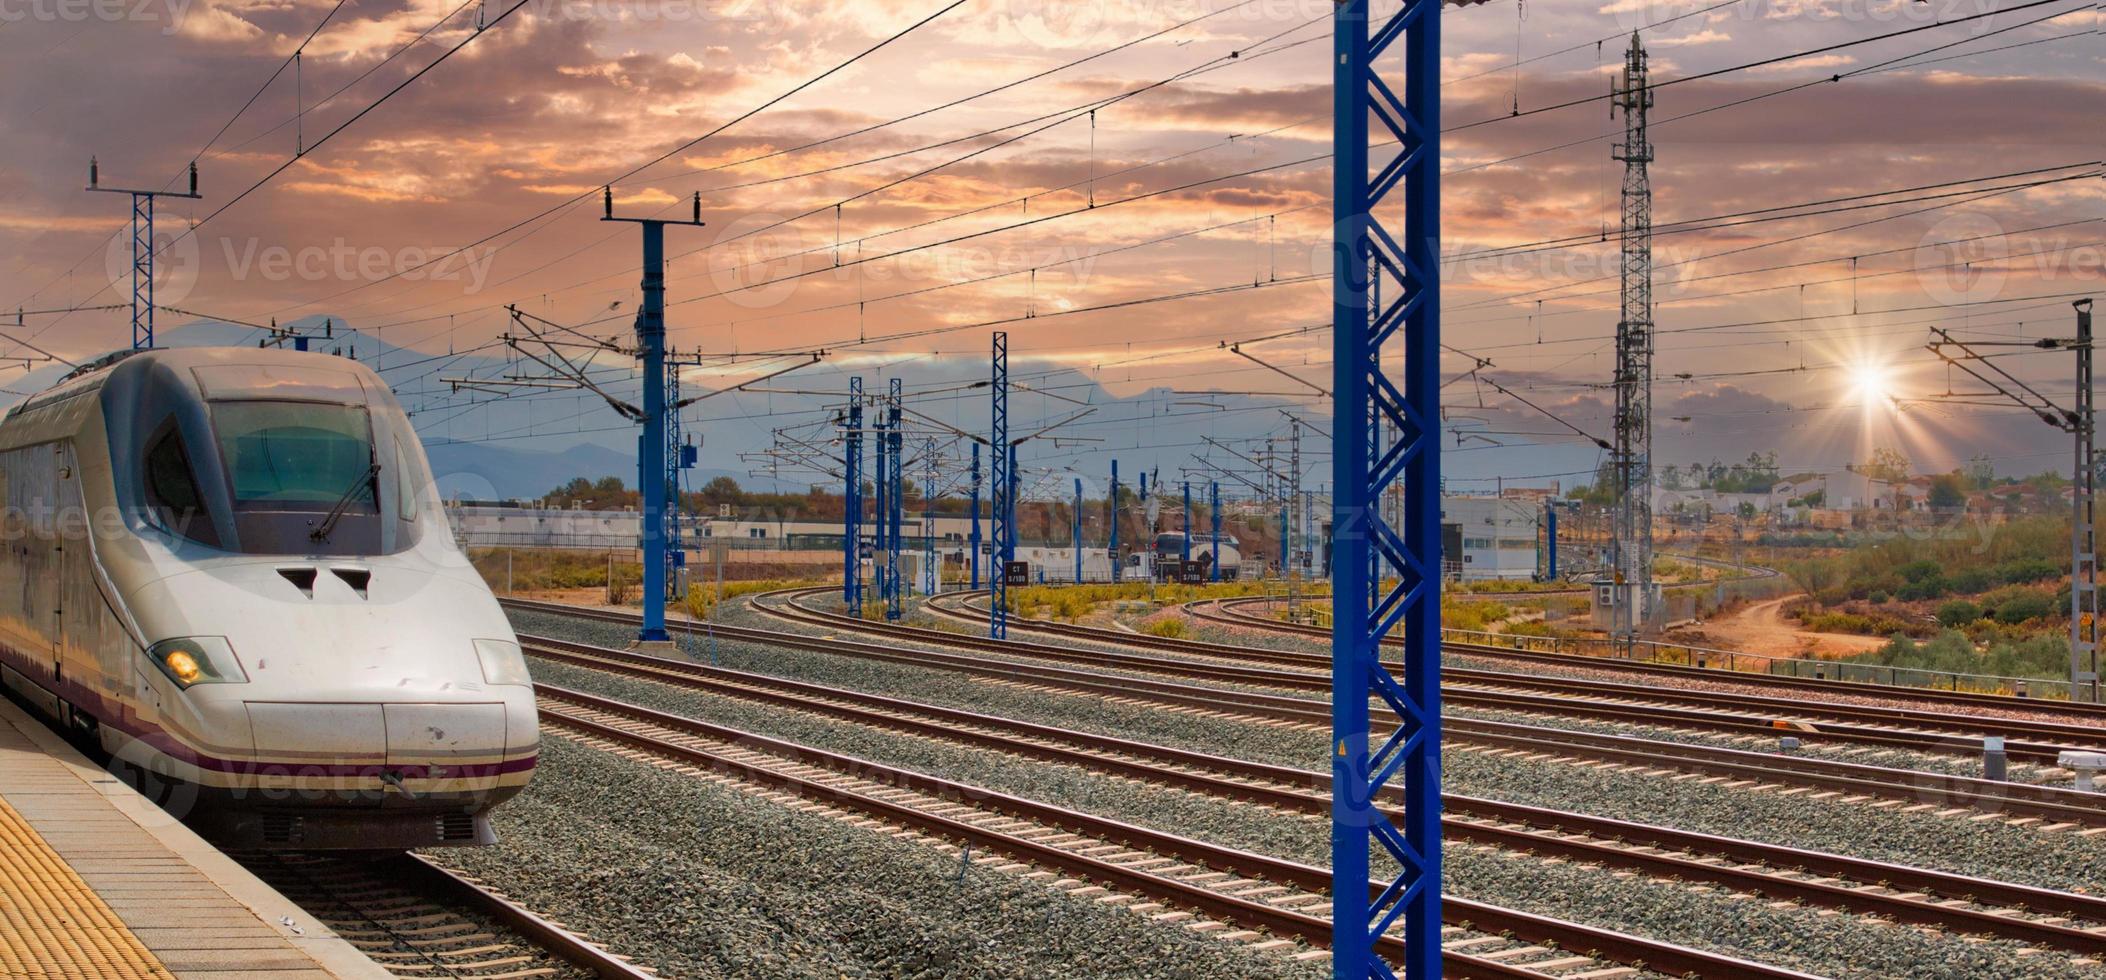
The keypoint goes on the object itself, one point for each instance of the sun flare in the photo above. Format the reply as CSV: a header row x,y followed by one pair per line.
x,y
1871,384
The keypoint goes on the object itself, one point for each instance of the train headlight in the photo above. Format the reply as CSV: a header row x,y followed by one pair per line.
x,y
193,660
502,662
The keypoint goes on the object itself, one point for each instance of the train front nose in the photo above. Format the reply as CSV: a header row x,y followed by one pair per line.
x,y
392,716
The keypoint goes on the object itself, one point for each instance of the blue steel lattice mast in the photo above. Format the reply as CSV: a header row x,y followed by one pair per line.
x,y
852,502
1365,250
932,578
895,601
1004,491
142,248
652,473
973,542
881,504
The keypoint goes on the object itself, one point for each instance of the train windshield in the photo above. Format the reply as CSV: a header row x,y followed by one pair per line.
x,y
297,456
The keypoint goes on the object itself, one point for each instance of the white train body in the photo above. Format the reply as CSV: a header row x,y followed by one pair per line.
x,y
174,586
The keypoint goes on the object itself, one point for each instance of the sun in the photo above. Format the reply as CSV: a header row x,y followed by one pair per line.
x,y
1871,383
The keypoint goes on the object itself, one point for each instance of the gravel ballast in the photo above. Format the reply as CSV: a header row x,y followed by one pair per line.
x,y
700,880
1799,937
1813,746
1990,849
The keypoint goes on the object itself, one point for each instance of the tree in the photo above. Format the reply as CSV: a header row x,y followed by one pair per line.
x,y
1887,465
1980,472
1948,492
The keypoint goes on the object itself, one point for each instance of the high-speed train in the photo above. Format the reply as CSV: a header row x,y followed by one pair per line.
x,y
229,568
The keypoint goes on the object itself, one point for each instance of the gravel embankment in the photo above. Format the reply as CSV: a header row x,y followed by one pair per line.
x,y
1813,747
1989,849
1837,945
703,881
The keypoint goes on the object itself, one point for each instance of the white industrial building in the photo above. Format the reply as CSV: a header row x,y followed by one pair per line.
x,y
1491,537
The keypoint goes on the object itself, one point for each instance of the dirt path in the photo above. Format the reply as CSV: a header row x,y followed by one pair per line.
x,y
1762,628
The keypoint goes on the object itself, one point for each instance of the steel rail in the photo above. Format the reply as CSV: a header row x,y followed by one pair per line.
x,y
1227,614
1621,947
1303,791
558,941
2018,799
1900,728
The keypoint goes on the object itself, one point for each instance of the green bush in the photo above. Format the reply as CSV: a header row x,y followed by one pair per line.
x,y
1919,570
2024,606
1972,580
1958,613
2027,570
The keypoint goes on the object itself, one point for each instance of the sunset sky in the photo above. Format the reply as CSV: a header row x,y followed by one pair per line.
x,y
1776,332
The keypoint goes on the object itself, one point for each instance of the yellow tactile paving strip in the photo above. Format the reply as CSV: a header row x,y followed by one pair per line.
x,y
52,925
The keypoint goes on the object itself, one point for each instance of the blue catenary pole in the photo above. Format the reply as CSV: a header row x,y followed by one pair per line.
x,y
1184,551
852,502
973,541
1365,547
1550,536
1004,492
881,504
1111,515
931,578
1214,514
1078,530
895,598
650,447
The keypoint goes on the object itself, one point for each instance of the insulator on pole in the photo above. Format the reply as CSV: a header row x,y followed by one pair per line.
x,y
607,200
193,178
698,207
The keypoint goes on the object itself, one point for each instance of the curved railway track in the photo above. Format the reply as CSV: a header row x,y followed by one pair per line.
x,y
2041,917
1894,728
418,919
1227,612
1236,887
1911,789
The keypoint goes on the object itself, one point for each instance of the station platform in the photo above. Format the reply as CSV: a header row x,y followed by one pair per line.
x,y
97,883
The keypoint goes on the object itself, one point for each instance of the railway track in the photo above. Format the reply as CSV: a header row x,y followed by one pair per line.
x,y
1910,790
1243,896
2044,918
418,919
1227,612
1907,729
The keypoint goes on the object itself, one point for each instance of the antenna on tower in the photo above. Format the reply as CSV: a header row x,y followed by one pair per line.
x,y
1632,606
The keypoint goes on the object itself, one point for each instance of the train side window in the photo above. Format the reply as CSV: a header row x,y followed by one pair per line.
x,y
405,488
171,490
